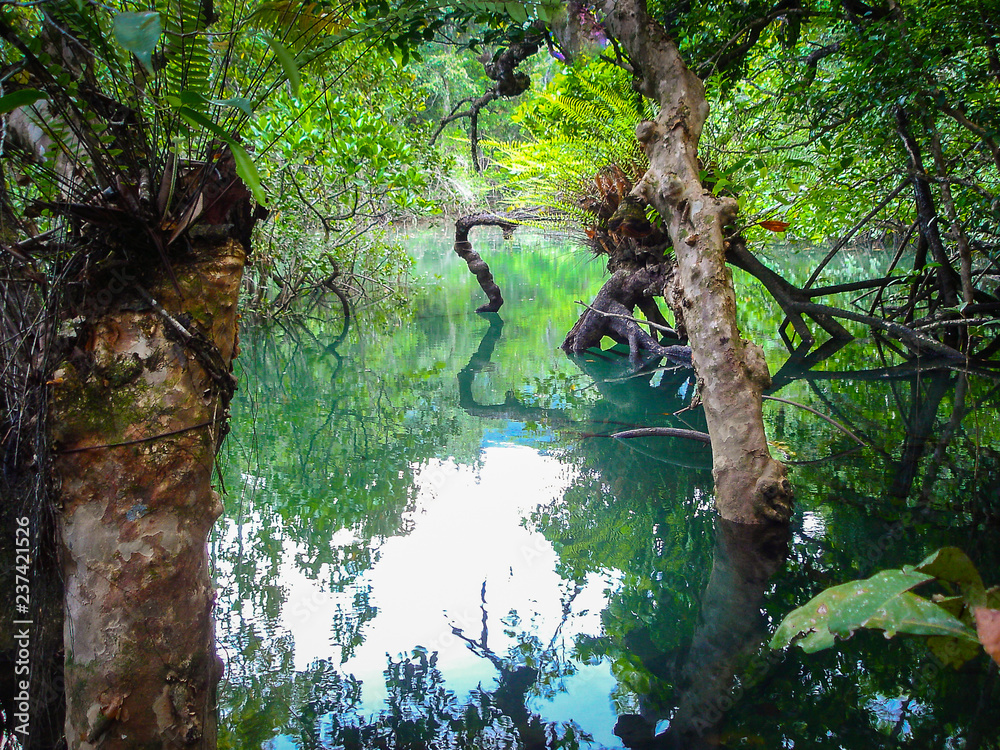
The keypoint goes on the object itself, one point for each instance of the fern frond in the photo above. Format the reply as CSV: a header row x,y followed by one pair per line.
x,y
584,157
309,20
188,60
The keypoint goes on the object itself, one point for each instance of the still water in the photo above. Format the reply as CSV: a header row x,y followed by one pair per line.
x,y
430,542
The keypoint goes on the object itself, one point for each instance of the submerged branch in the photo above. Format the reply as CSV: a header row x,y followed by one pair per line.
x,y
819,414
702,437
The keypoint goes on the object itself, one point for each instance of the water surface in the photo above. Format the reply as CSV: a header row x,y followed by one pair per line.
x,y
429,544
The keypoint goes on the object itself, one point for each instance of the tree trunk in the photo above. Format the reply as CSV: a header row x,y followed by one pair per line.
x,y
137,413
750,486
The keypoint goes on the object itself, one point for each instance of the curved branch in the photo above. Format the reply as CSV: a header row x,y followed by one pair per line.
x,y
509,83
476,264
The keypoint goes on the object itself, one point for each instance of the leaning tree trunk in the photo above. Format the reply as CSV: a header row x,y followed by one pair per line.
x,y
137,412
750,486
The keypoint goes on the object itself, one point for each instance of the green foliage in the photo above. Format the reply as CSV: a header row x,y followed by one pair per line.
x,y
885,602
139,33
581,144
351,160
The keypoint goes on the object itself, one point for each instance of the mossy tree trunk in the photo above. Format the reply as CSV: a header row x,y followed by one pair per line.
x,y
136,412
750,486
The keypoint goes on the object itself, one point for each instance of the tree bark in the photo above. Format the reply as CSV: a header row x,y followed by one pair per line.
x,y
750,486
137,412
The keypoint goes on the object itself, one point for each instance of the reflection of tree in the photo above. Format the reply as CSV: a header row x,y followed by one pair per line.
x,y
708,672
527,668
420,713
319,449
333,449
682,631
648,393
724,647
512,408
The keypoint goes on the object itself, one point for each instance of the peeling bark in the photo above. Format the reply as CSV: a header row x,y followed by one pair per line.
x,y
137,413
750,486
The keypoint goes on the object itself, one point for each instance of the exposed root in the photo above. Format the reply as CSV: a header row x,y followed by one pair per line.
x,y
611,315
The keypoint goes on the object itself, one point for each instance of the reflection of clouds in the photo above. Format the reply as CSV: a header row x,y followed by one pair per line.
x,y
466,526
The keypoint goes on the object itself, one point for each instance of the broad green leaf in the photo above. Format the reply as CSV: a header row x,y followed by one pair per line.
x,y
24,97
993,597
953,652
287,61
517,12
842,609
139,33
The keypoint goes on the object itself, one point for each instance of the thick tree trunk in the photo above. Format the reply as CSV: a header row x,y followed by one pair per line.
x,y
137,412
750,486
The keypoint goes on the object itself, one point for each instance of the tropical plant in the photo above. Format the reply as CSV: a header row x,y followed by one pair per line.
x,y
581,157
954,624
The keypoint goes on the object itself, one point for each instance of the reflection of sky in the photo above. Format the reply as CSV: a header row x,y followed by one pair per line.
x,y
467,529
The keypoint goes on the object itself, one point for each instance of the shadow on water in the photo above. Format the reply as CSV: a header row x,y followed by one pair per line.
x,y
431,543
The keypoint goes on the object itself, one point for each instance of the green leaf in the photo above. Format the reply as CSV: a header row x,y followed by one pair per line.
x,y
953,652
24,97
139,33
842,609
952,565
240,102
909,613
517,12
247,171
287,62
882,602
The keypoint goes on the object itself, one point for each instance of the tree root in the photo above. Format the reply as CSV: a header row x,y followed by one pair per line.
x,y
611,315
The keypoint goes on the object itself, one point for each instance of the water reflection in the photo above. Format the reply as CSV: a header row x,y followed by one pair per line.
x,y
428,543
727,656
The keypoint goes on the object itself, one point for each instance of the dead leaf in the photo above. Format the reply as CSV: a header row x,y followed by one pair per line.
x,y
774,226
988,628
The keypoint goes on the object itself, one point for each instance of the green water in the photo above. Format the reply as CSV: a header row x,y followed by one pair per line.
x,y
429,544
